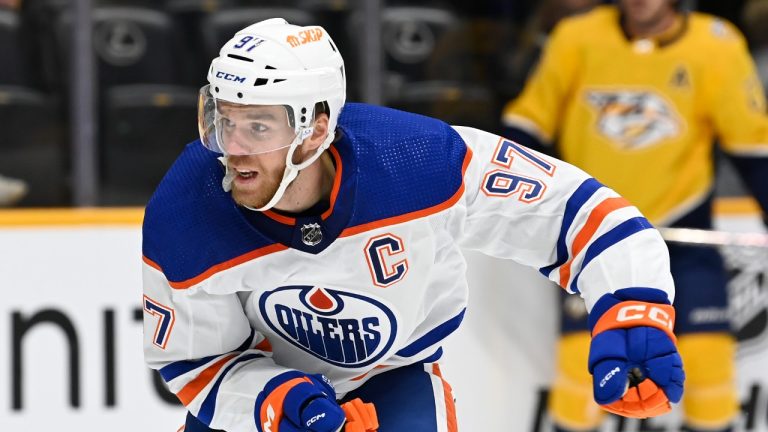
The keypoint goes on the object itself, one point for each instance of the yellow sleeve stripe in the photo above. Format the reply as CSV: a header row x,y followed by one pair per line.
x,y
747,149
736,206
128,216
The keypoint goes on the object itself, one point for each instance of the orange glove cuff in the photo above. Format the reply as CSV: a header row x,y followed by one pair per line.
x,y
636,313
642,401
361,416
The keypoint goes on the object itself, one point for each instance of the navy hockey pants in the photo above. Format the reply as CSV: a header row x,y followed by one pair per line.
x,y
414,398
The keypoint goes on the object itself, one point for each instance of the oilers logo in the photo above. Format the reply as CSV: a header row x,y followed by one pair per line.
x,y
344,329
634,119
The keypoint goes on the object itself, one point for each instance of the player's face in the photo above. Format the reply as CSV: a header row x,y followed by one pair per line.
x,y
245,130
252,129
646,13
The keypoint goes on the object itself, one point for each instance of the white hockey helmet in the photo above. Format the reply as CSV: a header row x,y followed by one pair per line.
x,y
273,62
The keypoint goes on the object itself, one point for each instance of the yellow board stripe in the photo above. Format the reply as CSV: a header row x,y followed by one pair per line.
x,y
736,206
76,216
732,206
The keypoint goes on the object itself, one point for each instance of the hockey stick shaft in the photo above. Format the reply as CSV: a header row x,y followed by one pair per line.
x,y
714,238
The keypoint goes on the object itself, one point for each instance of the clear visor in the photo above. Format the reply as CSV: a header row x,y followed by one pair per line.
x,y
236,129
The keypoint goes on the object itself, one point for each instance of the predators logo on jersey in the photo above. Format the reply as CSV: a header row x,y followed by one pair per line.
x,y
633,119
623,114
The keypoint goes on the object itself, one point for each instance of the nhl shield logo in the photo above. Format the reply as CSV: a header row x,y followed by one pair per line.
x,y
311,234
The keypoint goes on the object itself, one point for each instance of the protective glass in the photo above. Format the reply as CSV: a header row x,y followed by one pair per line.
x,y
236,129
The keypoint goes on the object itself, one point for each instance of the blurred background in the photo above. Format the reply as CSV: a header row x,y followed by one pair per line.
x,y
97,97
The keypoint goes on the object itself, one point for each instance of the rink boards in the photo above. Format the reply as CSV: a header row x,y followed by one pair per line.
x,y
70,331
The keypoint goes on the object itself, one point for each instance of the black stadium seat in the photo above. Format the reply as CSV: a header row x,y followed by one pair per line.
x,y
31,145
146,127
135,45
146,117
13,72
460,104
427,64
416,37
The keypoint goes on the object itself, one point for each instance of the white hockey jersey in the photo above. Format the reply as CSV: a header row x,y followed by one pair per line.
x,y
234,297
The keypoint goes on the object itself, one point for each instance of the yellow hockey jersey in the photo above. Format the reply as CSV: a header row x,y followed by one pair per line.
x,y
641,115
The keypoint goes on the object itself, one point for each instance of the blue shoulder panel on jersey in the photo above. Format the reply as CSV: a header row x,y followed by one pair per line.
x,y
405,162
190,223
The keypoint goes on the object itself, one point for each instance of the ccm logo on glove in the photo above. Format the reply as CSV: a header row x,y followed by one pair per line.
x,y
641,311
314,419
630,314
608,376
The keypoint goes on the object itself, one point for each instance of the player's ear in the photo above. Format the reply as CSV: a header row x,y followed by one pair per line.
x,y
319,133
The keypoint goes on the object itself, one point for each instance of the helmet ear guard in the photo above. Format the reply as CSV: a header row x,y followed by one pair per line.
x,y
275,63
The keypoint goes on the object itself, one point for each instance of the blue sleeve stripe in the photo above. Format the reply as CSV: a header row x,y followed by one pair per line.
x,y
433,336
434,357
205,414
577,200
174,370
615,235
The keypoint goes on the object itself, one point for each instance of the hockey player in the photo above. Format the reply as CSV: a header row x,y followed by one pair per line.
x,y
302,260
635,94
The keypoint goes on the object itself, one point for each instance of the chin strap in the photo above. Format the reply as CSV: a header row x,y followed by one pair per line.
x,y
291,170
289,174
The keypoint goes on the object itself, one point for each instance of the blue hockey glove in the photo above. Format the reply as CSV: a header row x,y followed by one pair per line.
x,y
633,356
297,402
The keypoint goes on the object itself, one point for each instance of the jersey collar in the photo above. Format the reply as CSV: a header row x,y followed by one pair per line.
x,y
313,233
678,29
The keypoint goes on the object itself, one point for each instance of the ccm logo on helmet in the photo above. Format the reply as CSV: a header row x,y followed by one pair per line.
x,y
230,77
638,312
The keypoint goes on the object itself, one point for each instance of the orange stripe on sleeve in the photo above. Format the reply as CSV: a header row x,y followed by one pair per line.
x,y
194,387
594,220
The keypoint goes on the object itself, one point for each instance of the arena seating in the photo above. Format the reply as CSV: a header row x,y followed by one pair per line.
x,y
146,117
31,142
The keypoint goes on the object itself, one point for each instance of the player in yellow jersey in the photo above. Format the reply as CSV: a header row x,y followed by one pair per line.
x,y
636,94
